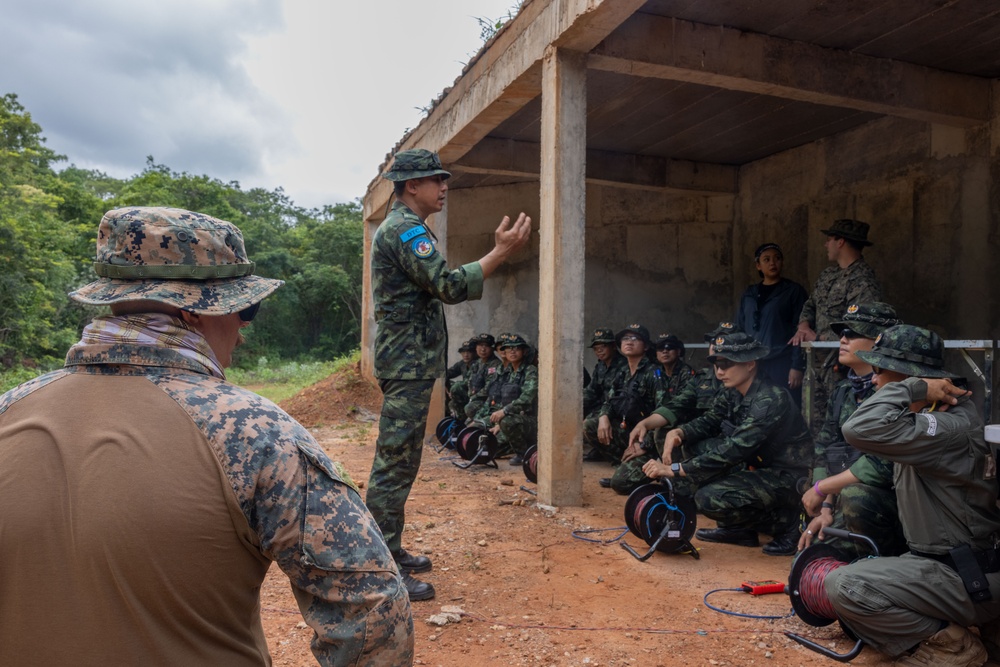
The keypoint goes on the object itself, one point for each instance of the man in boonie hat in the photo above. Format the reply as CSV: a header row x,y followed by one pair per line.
x,y
609,362
923,420
411,282
511,409
850,491
632,396
743,467
850,280
458,378
164,488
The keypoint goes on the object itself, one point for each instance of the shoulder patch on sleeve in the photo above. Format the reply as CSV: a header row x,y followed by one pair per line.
x,y
932,423
412,233
422,247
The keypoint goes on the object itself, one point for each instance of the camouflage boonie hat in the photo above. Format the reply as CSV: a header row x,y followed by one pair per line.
x,y
513,340
868,319
189,260
602,335
486,338
909,350
722,329
739,347
467,346
635,329
669,342
415,163
852,230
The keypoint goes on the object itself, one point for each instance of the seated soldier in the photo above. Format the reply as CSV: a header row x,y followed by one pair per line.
x,y
511,409
691,401
483,369
458,381
633,396
945,474
851,490
609,362
746,453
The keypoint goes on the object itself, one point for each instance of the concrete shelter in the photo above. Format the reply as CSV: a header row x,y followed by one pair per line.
x,y
656,143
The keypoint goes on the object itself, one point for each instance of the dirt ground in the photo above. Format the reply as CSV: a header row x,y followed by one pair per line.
x,y
529,591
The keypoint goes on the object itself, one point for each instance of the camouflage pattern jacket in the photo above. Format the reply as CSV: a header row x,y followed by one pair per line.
x,y
834,291
692,400
945,473
410,283
869,469
167,493
481,374
671,385
763,429
596,391
632,398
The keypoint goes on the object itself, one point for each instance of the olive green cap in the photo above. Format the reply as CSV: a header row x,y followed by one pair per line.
x,y
868,319
910,350
415,163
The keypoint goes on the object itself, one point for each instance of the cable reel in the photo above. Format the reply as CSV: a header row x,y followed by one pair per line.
x,y
446,431
476,445
529,464
808,596
665,521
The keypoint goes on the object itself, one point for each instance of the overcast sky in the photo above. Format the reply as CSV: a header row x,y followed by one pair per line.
x,y
308,95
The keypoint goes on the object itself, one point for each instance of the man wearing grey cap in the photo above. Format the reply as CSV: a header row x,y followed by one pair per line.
x,y
411,282
144,497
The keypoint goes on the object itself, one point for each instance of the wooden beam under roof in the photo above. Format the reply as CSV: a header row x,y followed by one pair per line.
x,y
669,48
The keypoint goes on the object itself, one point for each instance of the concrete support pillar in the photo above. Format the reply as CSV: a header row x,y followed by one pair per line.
x,y
561,277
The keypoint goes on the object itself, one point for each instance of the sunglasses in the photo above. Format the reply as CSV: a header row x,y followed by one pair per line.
x,y
723,364
250,312
876,370
850,334
630,339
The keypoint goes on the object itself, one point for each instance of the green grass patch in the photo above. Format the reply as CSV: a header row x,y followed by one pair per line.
x,y
282,380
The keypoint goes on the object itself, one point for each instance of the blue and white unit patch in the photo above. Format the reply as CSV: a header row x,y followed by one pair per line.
x,y
422,247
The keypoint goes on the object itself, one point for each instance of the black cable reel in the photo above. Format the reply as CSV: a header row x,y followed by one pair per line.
x,y
476,445
446,432
665,521
809,600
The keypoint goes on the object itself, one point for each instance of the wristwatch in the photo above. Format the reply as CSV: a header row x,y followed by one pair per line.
x,y
676,469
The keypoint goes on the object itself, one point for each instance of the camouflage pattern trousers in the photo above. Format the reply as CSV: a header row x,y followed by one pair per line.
x,y
517,433
619,439
628,476
764,500
872,512
401,427
459,391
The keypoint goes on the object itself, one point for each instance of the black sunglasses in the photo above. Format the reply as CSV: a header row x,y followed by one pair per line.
x,y
250,312
723,364
850,334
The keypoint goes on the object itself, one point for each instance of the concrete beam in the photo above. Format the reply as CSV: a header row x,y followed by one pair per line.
x,y
522,159
561,224
667,48
505,77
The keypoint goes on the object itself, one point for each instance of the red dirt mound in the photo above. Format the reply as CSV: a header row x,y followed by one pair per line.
x,y
344,396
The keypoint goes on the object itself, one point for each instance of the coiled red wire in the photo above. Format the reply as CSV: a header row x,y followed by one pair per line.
x,y
811,586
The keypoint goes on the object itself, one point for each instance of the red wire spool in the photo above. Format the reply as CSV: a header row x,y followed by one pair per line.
x,y
476,445
529,464
805,584
649,510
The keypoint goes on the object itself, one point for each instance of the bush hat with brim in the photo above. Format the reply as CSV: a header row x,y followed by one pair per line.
x,y
868,319
602,335
852,230
910,350
189,260
722,329
738,347
415,163
513,340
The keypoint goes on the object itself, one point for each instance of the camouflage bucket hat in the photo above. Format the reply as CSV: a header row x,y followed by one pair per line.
x,y
868,319
636,330
602,335
669,342
189,260
415,163
852,230
739,347
721,330
486,338
909,350
513,340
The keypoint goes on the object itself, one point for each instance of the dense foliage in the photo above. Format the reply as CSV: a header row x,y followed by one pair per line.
x,y
48,224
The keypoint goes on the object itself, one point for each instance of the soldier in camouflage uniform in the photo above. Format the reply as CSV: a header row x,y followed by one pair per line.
x,y
166,492
410,283
458,381
609,363
760,446
511,411
851,280
484,370
633,395
692,400
851,490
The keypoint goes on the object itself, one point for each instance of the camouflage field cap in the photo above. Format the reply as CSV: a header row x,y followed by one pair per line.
x,y
669,342
636,330
415,163
185,259
909,350
484,338
868,319
602,335
467,346
722,329
513,340
852,230
739,347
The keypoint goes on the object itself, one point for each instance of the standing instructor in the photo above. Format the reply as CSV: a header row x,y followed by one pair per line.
x,y
410,283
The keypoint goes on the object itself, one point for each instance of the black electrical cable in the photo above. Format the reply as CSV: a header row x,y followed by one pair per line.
x,y
737,613
580,532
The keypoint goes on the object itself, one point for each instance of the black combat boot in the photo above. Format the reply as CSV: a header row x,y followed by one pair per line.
x,y
416,589
407,562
